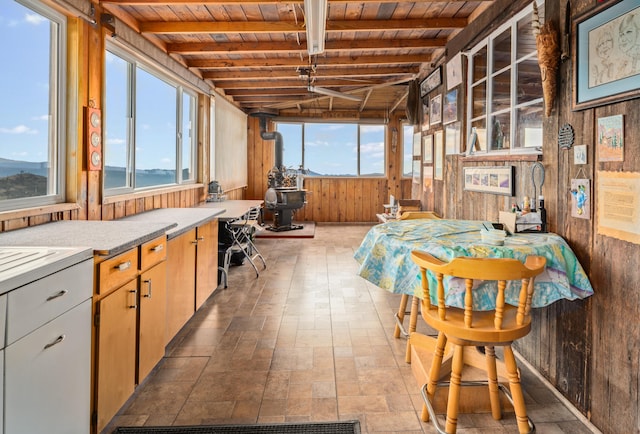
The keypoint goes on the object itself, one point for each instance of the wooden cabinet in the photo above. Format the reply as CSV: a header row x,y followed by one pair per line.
x,y
116,351
206,261
181,281
151,330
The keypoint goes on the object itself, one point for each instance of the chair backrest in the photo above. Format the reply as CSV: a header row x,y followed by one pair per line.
x,y
500,270
410,215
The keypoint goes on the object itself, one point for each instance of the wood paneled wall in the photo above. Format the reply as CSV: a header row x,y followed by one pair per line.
x,y
330,199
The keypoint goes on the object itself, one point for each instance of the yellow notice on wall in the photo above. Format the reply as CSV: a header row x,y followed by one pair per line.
x,y
618,196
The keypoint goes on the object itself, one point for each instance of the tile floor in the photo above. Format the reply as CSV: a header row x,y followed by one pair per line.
x,y
308,340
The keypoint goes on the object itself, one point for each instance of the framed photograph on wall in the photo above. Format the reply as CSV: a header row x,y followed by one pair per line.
x,y
438,162
452,138
416,171
432,81
427,148
427,178
450,107
417,144
425,114
494,180
435,109
605,58
610,138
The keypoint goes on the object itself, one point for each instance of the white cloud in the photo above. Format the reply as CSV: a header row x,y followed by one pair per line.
x,y
34,19
19,129
116,141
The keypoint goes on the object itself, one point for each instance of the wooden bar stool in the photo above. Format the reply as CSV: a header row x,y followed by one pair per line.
x,y
463,329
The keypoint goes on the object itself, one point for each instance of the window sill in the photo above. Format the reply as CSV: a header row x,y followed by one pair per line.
x,y
503,157
151,192
38,211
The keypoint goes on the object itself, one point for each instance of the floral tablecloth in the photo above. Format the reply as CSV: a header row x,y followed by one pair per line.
x,y
385,258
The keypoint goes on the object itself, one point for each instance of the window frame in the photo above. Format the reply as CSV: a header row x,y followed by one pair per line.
x,y
488,80
57,133
359,126
134,62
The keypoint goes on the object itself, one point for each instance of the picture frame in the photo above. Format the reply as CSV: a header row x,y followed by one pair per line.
x,y
454,71
450,107
604,69
427,148
452,138
435,109
432,81
427,178
416,172
417,145
581,198
494,180
438,162
610,138
425,114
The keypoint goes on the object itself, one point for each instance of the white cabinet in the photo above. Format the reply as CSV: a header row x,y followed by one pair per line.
x,y
47,359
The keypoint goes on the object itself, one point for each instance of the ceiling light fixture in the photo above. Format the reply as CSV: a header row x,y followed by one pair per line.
x,y
329,92
315,17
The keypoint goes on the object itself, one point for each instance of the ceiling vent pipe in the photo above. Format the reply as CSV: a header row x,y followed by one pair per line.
x,y
270,135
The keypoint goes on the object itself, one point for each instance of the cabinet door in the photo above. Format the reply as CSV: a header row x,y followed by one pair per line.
x,y
48,376
116,346
206,261
153,308
181,281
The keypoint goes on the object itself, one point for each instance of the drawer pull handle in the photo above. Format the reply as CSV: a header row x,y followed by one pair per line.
x,y
200,239
57,294
58,340
124,266
158,248
148,294
135,299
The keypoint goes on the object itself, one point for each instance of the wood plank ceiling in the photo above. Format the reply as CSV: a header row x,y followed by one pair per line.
x,y
254,51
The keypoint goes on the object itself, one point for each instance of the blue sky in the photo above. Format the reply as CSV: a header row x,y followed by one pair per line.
x,y
25,85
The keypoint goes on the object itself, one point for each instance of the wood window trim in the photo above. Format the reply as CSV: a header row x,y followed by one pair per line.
x,y
504,158
38,210
151,192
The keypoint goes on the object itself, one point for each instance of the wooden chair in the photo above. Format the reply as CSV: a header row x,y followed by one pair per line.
x,y
464,329
402,310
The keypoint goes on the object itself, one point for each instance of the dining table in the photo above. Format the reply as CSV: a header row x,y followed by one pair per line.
x,y
385,260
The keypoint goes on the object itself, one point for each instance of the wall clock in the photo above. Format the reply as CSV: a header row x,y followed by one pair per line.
x,y
93,128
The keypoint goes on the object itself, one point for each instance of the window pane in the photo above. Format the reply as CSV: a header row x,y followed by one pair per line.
x,y
500,129
481,129
407,150
479,101
155,154
480,64
372,150
529,126
526,40
529,82
28,133
188,130
501,93
292,143
502,51
331,149
116,122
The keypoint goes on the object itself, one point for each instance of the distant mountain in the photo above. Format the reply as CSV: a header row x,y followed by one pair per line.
x,y
22,185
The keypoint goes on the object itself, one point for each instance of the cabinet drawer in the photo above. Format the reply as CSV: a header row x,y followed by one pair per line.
x,y
117,271
37,303
153,252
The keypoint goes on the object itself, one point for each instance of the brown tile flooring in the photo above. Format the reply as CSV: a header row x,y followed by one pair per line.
x,y
308,340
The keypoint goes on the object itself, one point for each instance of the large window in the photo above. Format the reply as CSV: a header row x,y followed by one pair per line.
x,y
150,131
32,46
504,87
339,149
407,150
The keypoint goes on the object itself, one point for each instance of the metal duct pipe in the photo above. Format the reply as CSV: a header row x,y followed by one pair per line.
x,y
272,135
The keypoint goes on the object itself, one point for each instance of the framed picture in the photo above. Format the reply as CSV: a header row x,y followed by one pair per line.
x,y
580,198
416,171
432,81
416,144
427,148
450,107
580,154
610,138
606,59
438,163
435,109
425,114
494,180
427,178
452,138
454,71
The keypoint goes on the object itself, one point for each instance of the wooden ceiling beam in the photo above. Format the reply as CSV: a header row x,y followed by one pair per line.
x,y
293,46
257,2
234,27
296,83
224,75
294,62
